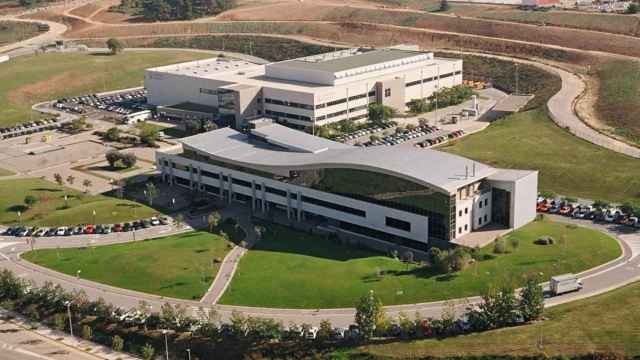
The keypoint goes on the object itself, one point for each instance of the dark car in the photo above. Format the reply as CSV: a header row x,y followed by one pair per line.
x,y
69,231
146,223
9,231
126,227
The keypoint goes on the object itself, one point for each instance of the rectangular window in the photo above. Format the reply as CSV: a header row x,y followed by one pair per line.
x,y
460,213
274,191
211,189
486,202
241,182
466,210
466,227
208,91
460,230
209,174
397,223
333,206
485,218
480,204
387,92
479,221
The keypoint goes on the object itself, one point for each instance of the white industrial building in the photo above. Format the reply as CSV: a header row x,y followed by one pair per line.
x,y
408,195
305,92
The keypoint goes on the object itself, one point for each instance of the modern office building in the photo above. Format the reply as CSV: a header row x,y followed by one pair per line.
x,y
412,195
305,92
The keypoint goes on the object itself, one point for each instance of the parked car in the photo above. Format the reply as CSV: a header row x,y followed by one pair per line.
x,y
89,229
61,230
117,228
154,221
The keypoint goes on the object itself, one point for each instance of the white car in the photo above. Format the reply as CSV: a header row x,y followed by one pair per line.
x,y
154,221
311,333
61,230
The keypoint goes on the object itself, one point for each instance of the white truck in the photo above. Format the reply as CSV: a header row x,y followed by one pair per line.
x,y
564,283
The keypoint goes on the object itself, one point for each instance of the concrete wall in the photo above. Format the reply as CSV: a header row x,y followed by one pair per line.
x,y
524,192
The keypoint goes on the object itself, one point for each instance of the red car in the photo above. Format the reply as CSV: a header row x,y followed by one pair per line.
x,y
89,229
117,228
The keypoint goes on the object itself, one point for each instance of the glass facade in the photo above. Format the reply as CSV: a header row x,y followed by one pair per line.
x,y
387,191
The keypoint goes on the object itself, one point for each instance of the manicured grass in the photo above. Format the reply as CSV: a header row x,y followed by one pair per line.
x,y
5,172
179,266
49,210
298,270
14,31
25,81
619,96
568,165
606,323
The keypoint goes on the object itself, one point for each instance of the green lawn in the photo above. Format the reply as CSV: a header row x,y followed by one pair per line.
x,y
568,165
619,96
298,270
31,79
606,323
179,266
49,208
5,172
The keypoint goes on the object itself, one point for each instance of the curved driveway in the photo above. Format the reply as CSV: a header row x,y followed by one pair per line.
x,y
617,273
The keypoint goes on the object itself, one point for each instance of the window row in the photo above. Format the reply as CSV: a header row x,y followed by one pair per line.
x,y
425,80
287,115
289,104
371,93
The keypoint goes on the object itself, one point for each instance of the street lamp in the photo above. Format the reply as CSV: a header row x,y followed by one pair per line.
x,y
166,343
189,354
94,216
78,274
68,303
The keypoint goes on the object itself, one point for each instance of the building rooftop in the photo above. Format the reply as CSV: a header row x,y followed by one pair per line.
x,y
294,140
354,59
445,172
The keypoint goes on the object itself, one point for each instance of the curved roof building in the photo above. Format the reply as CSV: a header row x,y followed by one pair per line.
x,y
395,193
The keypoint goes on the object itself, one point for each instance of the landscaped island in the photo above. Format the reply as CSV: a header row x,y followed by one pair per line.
x,y
298,270
180,266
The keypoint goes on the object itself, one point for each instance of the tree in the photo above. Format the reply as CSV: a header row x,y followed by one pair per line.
x,y
179,219
147,352
87,333
112,158
444,5
514,242
379,114
30,200
325,330
368,310
213,220
71,179
78,124
497,309
113,134
117,343
499,245
418,106
58,178
115,46
148,134
128,160
633,8
87,184
531,304
152,192
260,230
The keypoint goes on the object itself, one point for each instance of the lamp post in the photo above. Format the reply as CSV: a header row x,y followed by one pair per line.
x,y
78,274
68,303
166,344
94,216
189,354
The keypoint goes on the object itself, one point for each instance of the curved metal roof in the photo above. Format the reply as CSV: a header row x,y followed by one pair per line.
x,y
432,168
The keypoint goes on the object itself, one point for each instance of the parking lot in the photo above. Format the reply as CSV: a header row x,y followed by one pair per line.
x,y
596,212
119,103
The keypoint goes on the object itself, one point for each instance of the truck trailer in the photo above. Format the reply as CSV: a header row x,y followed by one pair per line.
x,y
562,284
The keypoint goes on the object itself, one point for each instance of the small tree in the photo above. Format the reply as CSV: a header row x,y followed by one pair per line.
x,y
113,134
179,219
112,158
128,160
115,46
58,178
324,332
499,246
87,333
71,179
213,220
379,113
117,343
444,5
87,184
531,304
152,192
147,352
514,242
260,230
367,312
633,8
30,200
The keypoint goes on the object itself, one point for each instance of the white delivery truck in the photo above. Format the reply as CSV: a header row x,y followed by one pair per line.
x,y
564,283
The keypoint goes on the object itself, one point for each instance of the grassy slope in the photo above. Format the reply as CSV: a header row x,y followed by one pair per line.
x,y
606,323
322,274
178,266
48,210
619,96
567,165
28,80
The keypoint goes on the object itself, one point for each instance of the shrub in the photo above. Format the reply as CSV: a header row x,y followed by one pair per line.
x,y
514,242
499,246
117,344
147,352
545,240
59,321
